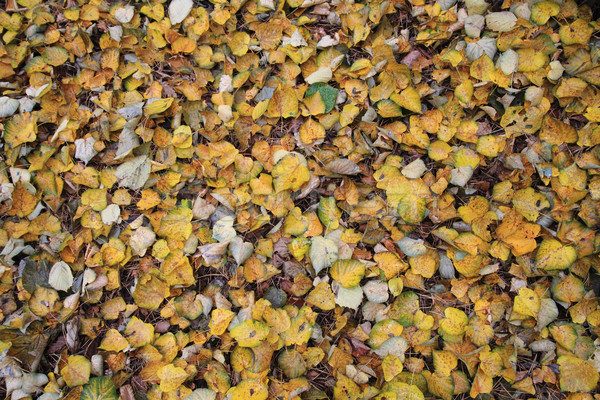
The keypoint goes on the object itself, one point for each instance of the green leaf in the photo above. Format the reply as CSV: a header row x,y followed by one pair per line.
x,y
292,364
35,274
55,56
404,308
328,94
99,388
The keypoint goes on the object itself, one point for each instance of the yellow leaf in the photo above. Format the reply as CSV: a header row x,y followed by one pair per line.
x,y
464,91
176,224
530,60
183,45
113,252
157,106
113,341
444,362
441,386
529,203
177,270
483,68
139,333
390,263
576,375
149,199
490,362
171,377
489,146
345,388
384,330
150,292
391,366
569,290
301,327
518,234
44,301
527,302
476,208
311,132
220,319
453,57
112,308
409,98
250,389
577,32
389,109
553,255
283,104
439,150
250,333
239,43
410,196
349,113
573,177
425,264
348,273
290,173
454,323
329,213
401,390
55,56
480,332
542,11
22,128
259,109
482,384
322,297
77,371
95,198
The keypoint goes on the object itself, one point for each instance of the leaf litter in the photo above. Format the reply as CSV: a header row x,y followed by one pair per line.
x,y
299,199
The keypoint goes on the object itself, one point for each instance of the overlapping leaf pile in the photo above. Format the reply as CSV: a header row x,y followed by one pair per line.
x,y
252,199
